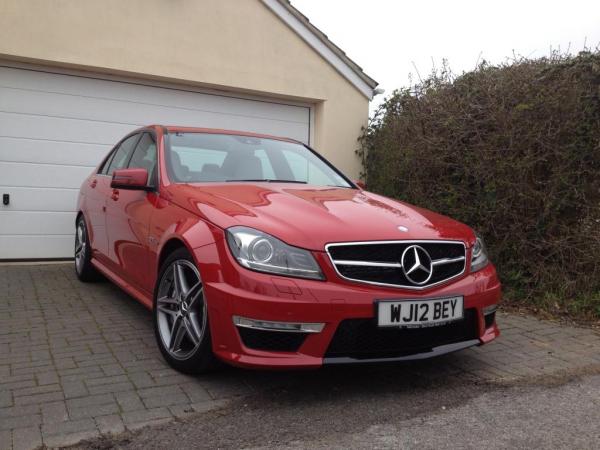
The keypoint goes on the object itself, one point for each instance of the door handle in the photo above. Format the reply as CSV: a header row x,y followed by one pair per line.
x,y
115,194
93,183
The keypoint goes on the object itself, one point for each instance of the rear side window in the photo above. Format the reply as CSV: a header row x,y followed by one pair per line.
x,y
144,157
104,167
122,154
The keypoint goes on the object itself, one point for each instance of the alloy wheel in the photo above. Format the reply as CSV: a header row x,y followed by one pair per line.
x,y
181,309
80,246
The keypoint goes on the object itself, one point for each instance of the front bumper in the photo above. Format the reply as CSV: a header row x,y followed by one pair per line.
x,y
234,291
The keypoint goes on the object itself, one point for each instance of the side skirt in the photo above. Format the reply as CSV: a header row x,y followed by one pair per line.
x,y
141,297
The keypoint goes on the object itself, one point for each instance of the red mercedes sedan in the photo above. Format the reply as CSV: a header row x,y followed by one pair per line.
x,y
256,251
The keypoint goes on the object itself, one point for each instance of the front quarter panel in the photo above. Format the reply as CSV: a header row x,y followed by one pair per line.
x,y
171,222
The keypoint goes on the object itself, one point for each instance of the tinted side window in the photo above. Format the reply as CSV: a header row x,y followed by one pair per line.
x,y
122,154
144,157
107,161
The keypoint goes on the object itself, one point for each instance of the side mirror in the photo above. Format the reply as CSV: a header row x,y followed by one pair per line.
x,y
360,183
135,179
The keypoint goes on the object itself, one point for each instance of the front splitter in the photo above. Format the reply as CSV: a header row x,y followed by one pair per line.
x,y
436,351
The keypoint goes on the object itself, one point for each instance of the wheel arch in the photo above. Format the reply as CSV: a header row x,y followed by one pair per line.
x,y
172,244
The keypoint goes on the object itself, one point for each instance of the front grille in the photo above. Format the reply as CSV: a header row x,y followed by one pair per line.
x,y
381,262
276,341
363,339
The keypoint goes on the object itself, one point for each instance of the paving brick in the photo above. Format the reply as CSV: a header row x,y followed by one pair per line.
x,y
4,368
129,401
112,369
141,379
74,389
5,439
93,410
111,424
54,412
39,398
90,400
106,380
166,400
109,388
50,377
36,390
9,423
5,381
28,438
5,399
15,411
159,391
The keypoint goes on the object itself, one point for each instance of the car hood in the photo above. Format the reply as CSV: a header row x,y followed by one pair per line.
x,y
311,217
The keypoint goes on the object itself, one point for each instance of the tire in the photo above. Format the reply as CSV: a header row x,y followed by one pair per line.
x,y
181,316
84,269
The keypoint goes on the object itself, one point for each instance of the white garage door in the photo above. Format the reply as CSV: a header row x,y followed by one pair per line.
x,y
55,128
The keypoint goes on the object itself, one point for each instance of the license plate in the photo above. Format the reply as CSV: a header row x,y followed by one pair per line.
x,y
419,313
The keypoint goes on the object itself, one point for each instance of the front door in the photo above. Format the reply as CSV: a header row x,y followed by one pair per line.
x,y
128,215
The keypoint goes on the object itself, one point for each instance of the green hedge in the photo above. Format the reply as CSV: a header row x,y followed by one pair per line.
x,y
514,151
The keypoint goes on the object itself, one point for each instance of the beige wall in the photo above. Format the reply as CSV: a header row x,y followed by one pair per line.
x,y
234,44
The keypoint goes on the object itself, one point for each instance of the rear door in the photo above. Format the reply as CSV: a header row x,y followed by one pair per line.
x,y
119,160
95,209
128,215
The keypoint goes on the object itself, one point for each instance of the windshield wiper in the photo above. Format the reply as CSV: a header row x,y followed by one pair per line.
x,y
266,180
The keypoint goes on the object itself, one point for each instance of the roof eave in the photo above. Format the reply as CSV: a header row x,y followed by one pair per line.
x,y
316,39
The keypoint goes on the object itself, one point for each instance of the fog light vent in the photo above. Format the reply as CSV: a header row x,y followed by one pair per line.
x,y
274,341
489,315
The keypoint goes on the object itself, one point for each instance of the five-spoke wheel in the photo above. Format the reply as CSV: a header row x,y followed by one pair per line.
x,y
83,254
181,316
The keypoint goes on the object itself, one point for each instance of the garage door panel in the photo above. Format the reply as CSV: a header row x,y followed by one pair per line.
x,y
62,129
40,198
51,152
36,247
43,175
56,128
108,133
68,106
148,95
35,222
58,106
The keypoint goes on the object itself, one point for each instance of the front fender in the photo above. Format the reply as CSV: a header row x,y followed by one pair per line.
x,y
182,228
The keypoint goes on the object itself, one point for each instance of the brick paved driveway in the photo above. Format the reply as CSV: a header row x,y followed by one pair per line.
x,y
79,360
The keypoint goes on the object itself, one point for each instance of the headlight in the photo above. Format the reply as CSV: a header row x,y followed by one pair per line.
x,y
479,257
262,252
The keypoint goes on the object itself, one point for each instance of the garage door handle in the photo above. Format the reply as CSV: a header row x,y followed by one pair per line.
x,y
115,195
93,183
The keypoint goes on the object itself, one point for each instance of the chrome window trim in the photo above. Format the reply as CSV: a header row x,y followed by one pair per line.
x,y
399,241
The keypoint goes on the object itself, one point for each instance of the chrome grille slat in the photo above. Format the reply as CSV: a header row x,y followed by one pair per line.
x,y
343,262
441,262
378,262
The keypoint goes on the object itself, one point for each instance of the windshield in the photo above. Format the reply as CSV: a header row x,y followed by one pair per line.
x,y
207,157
